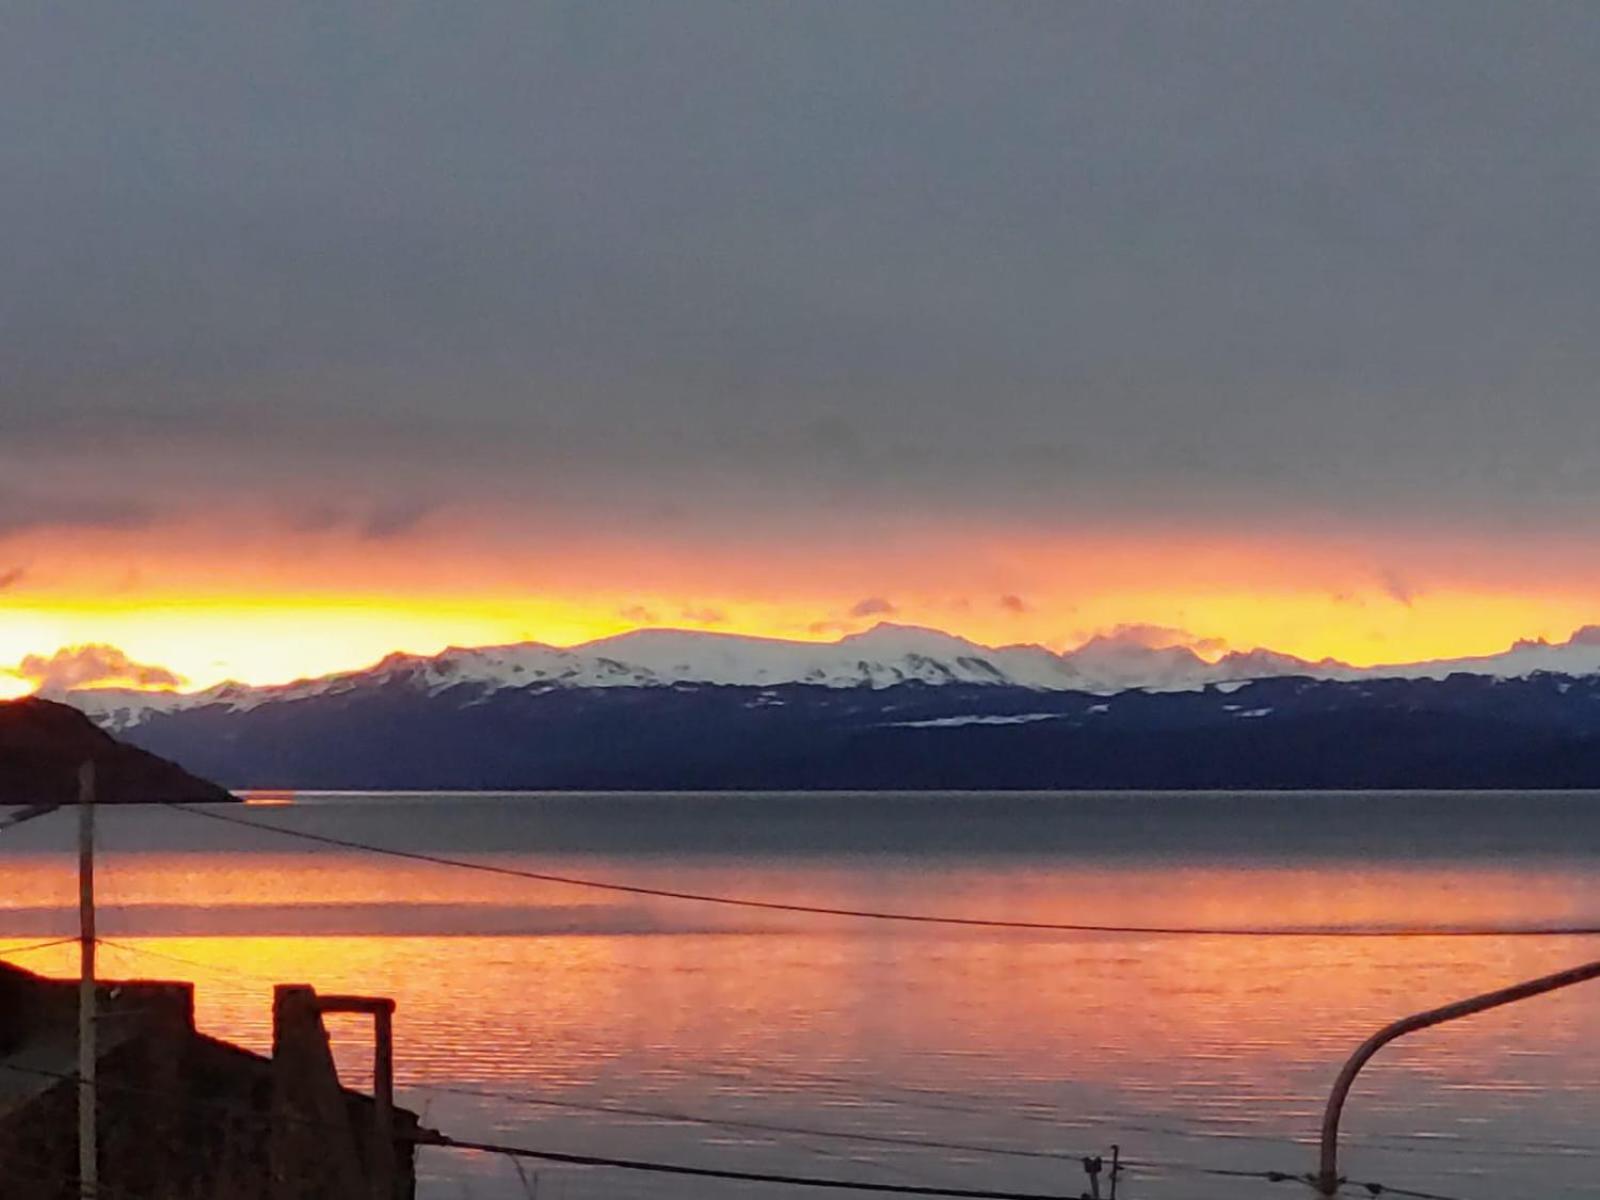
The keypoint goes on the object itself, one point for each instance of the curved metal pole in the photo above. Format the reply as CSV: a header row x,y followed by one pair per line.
x,y
1327,1179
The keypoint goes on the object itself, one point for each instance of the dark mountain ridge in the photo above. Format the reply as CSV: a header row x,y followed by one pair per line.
x,y
1464,731
42,745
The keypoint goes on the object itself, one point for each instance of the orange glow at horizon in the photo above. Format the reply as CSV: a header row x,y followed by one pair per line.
x,y
280,639
278,616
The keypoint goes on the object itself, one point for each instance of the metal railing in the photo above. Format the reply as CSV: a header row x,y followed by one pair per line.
x,y
1327,1179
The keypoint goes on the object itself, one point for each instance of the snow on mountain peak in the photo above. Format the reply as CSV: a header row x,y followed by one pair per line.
x,y
879,657
883,656
890,637
1578,655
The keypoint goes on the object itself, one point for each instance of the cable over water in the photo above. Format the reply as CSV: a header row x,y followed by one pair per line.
x,y
1268,931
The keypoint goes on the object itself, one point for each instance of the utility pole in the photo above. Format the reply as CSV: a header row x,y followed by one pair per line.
x,y
88,1158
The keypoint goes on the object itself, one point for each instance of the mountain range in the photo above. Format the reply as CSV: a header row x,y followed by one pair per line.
x,y
893,707
884,656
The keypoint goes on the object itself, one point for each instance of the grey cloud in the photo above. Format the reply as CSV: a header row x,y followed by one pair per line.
x,y
11,577
370,522
1398,589
1154,637
1235,259
825,627
22,512
1014,604
83,666
321,518
872,606
704,616
394,519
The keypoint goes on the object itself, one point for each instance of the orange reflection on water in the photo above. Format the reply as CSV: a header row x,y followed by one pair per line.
x,y
267,797
552,991
1290,896
661,977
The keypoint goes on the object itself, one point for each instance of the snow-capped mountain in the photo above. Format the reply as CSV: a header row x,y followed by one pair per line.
x,y
1578,655
894,707
882,657
1117,663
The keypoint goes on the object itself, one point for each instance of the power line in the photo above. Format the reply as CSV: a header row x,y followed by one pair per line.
x,y
660,1168
751,1126
656,1114
905,917
215,968
27,814
1052,1115
444,1141
1104,1119
754,1126
767,1132
1128,1164
1215,1172
430,1139
1111,1119
1116,1120
800,1131
1380,1189
247,1113
71,941
1107,1122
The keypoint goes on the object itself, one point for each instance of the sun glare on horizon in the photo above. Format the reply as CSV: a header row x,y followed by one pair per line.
x,y
190,645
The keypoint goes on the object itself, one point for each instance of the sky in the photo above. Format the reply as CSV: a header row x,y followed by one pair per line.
x,y
333,329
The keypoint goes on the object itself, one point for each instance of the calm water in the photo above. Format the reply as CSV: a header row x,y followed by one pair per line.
x,y
1188,1052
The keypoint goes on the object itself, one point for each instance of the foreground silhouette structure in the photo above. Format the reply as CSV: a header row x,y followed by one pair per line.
x,y
182,1115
